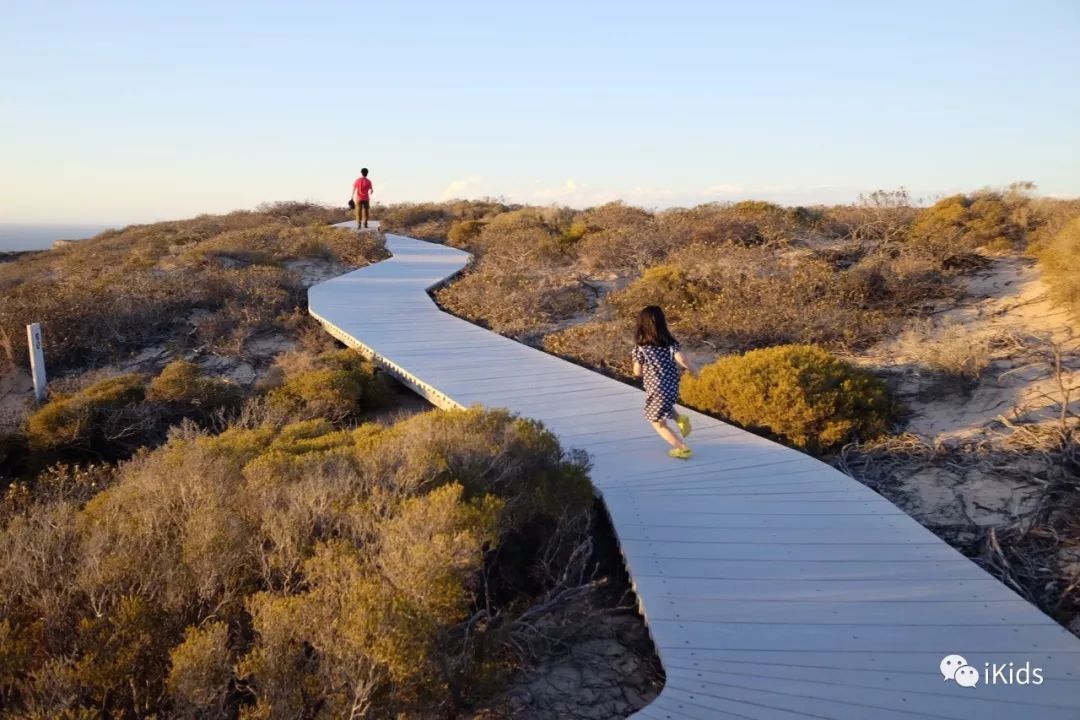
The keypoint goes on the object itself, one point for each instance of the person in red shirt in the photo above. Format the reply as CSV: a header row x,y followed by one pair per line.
x,y
362,190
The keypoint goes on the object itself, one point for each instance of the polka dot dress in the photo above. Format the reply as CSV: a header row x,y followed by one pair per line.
x,y
661,374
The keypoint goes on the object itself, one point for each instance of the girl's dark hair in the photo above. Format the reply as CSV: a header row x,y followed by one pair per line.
x,y
652,328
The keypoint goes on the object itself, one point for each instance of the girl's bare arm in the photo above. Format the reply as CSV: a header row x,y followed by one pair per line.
x,y
637,369
685,362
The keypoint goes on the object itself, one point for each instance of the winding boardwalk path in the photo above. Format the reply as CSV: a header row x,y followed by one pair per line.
x,y
774,586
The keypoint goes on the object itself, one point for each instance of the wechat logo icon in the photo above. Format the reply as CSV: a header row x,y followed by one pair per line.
x,y
956,668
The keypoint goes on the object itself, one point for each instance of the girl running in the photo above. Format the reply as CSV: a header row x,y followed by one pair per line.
x,y
658,358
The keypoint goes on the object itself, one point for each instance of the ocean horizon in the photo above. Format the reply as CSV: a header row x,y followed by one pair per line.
x,y
40,236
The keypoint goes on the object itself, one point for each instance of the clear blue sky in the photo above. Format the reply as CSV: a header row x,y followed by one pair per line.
x,y
135,111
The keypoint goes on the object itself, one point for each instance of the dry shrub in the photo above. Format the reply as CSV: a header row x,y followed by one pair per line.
x,y
302,214
1049,217
623,250
738,276
334,570
275,244
527,236
517,301
797,393
1060,259
104,299
949,348
427,221
436,221
747,297
709,224
883,216
758,297
517,285
774,224
900,280
601,344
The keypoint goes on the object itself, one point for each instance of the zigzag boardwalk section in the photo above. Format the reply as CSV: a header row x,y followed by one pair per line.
x,y
774,586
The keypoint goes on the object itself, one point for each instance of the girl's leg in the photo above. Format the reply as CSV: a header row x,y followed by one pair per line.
x,y
662,429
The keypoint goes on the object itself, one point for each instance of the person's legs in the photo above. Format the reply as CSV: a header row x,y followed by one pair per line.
x,y
359,205
662,429
366,204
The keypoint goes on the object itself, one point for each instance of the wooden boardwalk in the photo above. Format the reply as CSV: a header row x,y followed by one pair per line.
x,y
774,586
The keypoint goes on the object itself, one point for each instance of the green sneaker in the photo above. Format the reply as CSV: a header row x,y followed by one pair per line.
x,y
683,421
680,453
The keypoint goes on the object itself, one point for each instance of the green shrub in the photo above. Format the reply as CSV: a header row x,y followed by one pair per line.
x,y
330,567
78,419
201,668
182,383
774,224
340,384
1060,260
668,286
798,393
962,223
319,393
462,232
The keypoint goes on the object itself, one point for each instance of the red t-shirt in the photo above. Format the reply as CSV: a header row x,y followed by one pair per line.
x,y
362,186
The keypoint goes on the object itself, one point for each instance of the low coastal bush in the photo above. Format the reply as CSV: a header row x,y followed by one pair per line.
x,y
91,418
462,232
184,385
227,277
669,286
601,344
736,276
335,385
961,223
113,416
290,571
797,393
1060,259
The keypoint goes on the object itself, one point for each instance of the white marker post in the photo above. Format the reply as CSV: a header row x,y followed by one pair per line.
x,y
37,359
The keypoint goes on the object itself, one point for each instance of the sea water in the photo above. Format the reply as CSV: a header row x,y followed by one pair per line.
x,y
35,236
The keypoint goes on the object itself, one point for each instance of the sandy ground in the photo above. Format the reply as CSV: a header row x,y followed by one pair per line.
x,y
1008,312
958,472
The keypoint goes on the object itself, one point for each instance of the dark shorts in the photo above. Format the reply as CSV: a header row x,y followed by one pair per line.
x,y
366,204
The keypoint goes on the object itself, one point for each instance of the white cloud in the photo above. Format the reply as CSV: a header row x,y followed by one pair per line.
x,y
465,188
577,194
560,193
